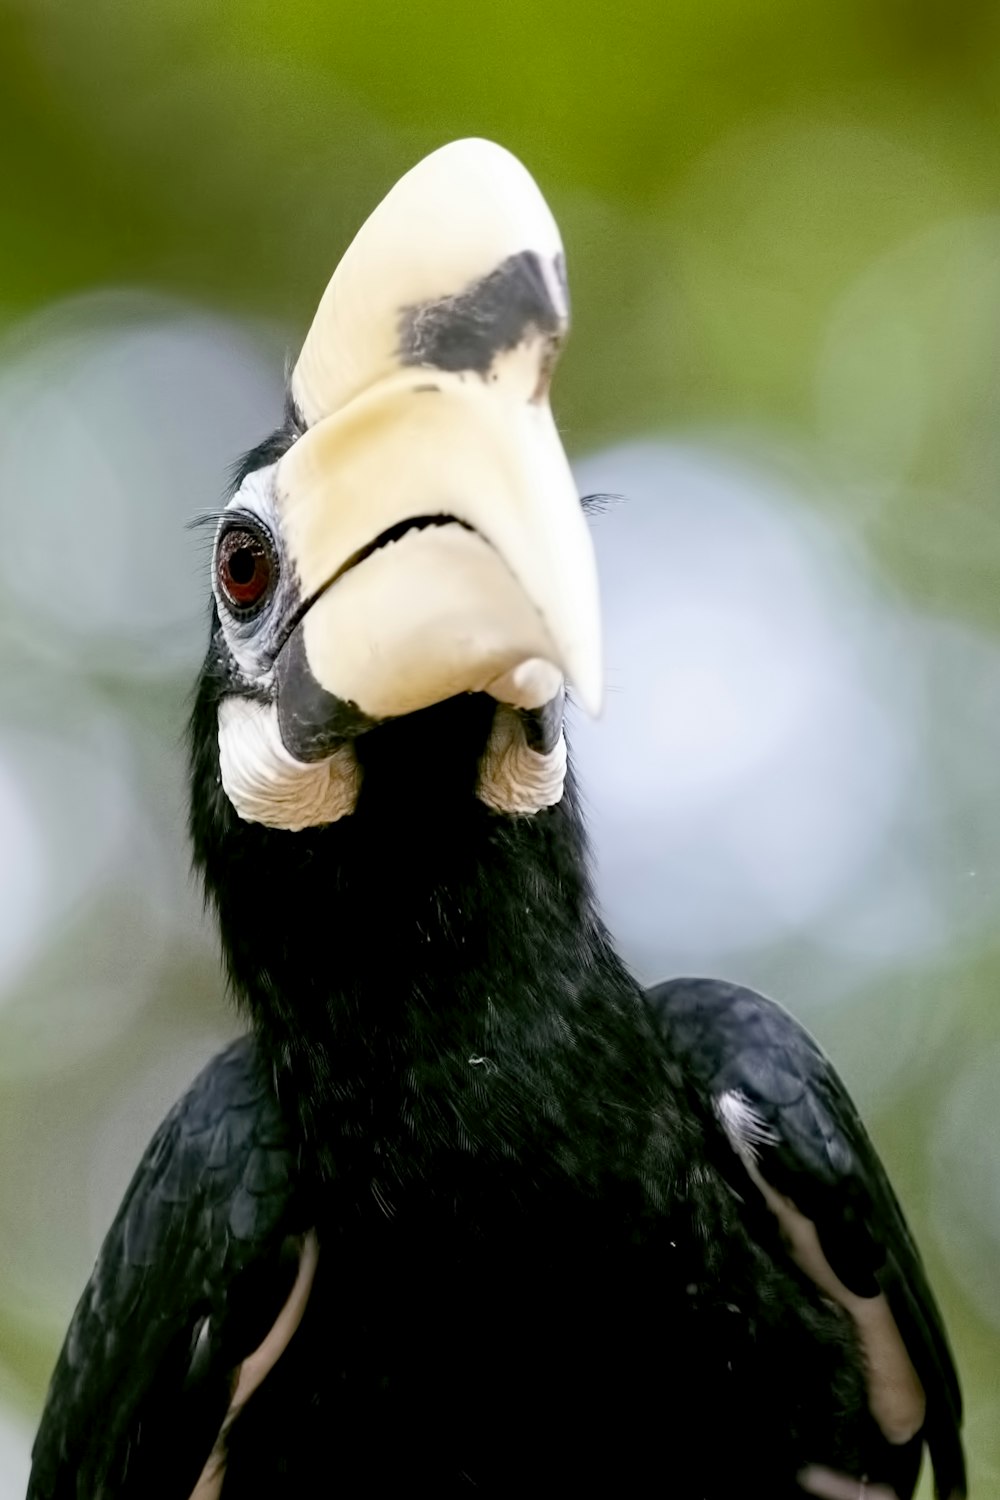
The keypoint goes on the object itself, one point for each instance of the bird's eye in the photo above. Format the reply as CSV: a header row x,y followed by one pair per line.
x,y
244,568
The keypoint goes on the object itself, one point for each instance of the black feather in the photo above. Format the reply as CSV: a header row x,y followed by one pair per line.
x,y
136,1400
818,1154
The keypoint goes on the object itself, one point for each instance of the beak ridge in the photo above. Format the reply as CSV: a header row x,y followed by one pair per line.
x,y
459,456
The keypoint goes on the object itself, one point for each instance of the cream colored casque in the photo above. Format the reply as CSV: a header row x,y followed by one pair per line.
x,y
422,390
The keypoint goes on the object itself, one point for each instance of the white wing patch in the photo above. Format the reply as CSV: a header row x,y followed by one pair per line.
x,y
742,1124
895,1396
259,1364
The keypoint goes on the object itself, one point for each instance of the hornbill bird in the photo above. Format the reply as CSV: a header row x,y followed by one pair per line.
x,y
466,1208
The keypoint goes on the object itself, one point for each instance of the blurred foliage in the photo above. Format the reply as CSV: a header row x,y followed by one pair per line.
x,y
783,228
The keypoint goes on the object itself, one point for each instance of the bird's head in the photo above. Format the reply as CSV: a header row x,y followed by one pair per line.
x,y
413,536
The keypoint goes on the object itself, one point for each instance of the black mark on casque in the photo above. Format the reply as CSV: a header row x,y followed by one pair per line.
x,y
496,313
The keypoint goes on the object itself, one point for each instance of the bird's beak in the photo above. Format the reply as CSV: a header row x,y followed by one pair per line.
x,y
428,509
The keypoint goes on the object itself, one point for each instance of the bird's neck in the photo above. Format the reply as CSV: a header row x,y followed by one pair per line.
x,y
419,933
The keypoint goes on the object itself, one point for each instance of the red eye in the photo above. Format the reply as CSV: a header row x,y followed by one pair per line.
x,y
243,567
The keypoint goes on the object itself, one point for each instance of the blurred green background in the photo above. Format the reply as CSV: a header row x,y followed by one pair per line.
x,y
782,225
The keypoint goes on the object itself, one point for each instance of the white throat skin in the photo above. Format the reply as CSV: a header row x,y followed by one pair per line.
x,y
267,785
514,777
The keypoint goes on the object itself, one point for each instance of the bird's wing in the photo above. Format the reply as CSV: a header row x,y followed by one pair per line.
x,y
797,1138
200,1262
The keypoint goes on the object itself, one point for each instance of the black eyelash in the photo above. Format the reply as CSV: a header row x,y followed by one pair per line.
x,y
206,518
599,504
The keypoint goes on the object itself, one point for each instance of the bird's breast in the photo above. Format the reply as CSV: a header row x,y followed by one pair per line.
x,y
536,1338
